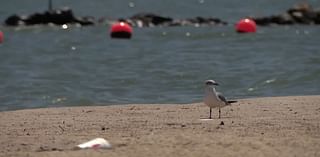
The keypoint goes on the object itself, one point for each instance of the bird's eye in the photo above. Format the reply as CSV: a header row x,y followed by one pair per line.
x,y
209,83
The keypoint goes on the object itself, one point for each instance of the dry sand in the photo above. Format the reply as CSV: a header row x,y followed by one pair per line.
x,y
277,126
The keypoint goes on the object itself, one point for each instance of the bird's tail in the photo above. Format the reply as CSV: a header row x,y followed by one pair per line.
x,y
231,101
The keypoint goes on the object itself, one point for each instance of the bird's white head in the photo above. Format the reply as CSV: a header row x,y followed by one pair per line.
x,y
211,83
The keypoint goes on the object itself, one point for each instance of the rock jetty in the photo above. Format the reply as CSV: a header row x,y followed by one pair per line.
x,y
299,14
56,16
151,20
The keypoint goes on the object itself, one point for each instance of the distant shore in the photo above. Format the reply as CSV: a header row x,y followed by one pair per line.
x,y
273,126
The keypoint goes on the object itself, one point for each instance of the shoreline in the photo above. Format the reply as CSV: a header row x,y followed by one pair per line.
x,y
133,104
270,126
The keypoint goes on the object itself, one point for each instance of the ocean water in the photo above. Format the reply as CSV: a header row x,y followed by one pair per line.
x,y
47,66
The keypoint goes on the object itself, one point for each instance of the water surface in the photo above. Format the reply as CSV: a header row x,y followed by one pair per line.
x,y
45,66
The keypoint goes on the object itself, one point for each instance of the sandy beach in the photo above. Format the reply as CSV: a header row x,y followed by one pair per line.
x,y
276,126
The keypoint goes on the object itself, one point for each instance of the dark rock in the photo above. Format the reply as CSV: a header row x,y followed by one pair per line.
x,y
283,19
13,20
299,14
317,18
58,17
302,7
151,20
262,21
85,21
202,20
35,19
147,20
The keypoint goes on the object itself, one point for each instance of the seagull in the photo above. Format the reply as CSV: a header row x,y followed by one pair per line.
x,y
212,98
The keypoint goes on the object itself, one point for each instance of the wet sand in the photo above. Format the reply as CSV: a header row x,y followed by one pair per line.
x,y
277,126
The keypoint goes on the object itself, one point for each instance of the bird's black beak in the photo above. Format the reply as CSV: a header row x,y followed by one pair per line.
x,y
216,84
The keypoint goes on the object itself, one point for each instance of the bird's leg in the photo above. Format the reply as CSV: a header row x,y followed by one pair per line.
x,y
210,113
219,112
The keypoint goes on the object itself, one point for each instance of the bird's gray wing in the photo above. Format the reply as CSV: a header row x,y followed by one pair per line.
x,y
222,98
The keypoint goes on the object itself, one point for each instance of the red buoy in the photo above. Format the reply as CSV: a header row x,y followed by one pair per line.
x,y
246,26
121,30
1,37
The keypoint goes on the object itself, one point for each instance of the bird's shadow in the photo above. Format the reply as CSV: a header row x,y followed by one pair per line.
x,y
207,118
